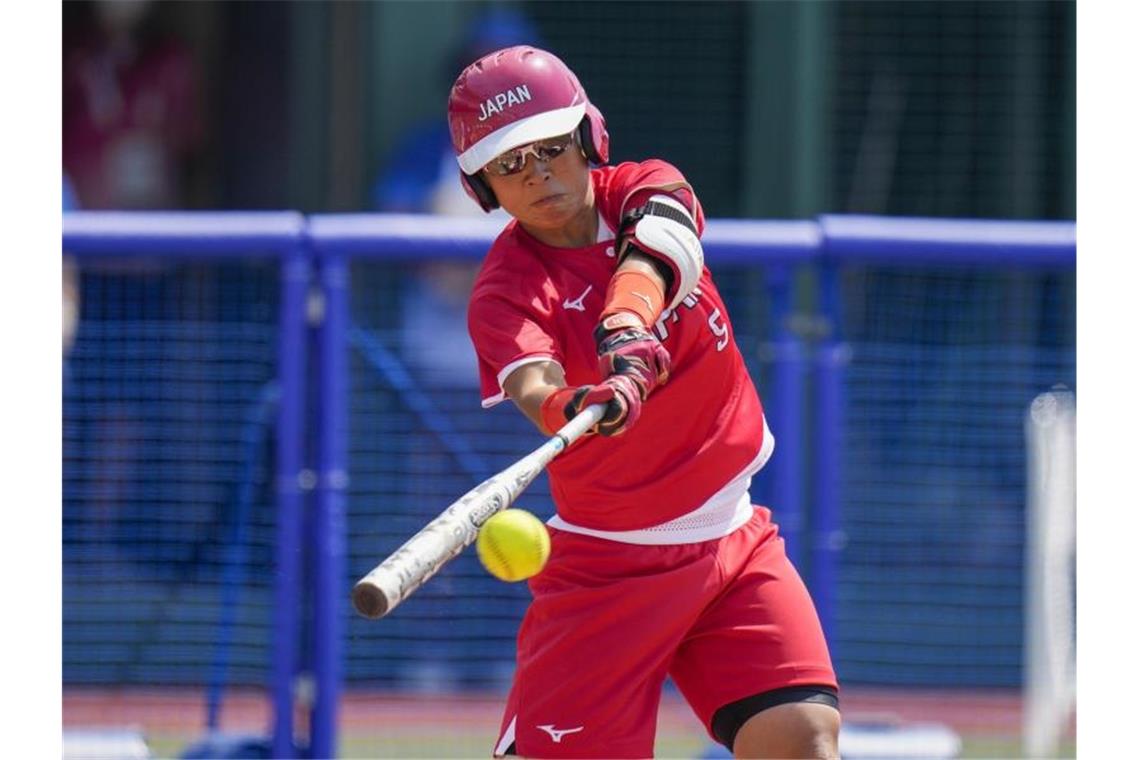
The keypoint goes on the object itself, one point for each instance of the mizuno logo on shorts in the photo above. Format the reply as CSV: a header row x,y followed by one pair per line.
x,y
557,733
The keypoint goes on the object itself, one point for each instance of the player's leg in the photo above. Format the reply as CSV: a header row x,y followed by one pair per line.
x,y
755,667
595,645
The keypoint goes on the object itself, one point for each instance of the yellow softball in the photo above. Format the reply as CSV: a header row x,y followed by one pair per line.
x,y
513,545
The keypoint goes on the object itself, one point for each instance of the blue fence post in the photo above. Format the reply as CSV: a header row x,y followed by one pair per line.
x,y
831,362
330,589
290,460
786,415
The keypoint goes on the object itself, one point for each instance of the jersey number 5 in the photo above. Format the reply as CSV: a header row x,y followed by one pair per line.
x,y
719,329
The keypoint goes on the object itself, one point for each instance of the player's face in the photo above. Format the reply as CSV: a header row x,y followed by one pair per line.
x,y
546,185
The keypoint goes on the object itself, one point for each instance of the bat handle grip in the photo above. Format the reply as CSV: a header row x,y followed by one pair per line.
x,y
574,429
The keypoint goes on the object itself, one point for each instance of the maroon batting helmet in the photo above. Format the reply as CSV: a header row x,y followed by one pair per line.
x,y
514,97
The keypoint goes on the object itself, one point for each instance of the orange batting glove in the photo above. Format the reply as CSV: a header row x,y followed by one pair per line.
x,y
619,393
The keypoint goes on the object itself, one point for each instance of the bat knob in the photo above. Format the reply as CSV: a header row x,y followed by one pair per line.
x,y
369,600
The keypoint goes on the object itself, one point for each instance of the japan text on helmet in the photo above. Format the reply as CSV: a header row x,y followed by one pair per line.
x,y
514,97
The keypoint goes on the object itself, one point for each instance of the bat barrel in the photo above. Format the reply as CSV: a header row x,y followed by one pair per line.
x,y
370,600
422,556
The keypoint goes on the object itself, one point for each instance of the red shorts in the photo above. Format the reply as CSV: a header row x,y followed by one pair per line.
x,y
726,619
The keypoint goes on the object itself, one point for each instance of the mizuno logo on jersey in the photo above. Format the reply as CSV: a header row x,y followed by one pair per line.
x,y
577,303
557,733
502,100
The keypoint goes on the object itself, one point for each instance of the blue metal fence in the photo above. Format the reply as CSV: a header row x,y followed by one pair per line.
x,y
180,545
944,332
895,358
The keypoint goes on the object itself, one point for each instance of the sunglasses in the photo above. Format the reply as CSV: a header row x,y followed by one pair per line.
x,y
513,161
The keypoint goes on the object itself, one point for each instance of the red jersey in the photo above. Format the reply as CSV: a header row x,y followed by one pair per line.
x,y
533,302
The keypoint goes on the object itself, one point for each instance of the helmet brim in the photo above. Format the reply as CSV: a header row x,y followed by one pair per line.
x,y
530,129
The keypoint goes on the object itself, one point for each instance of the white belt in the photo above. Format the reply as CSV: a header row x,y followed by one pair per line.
x,y
725,511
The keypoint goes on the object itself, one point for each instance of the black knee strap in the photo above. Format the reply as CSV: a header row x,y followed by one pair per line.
x,y
727,720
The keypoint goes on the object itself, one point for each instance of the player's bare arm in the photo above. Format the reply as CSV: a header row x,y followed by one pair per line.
x,y
530,385
637,261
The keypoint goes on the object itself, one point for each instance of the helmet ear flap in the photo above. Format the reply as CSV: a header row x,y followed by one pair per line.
x,y
592,136
479,191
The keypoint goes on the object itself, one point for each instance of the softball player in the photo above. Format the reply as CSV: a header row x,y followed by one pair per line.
x,y
596,292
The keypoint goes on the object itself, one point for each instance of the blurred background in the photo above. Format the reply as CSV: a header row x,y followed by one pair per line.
x,y
773,109
245,410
